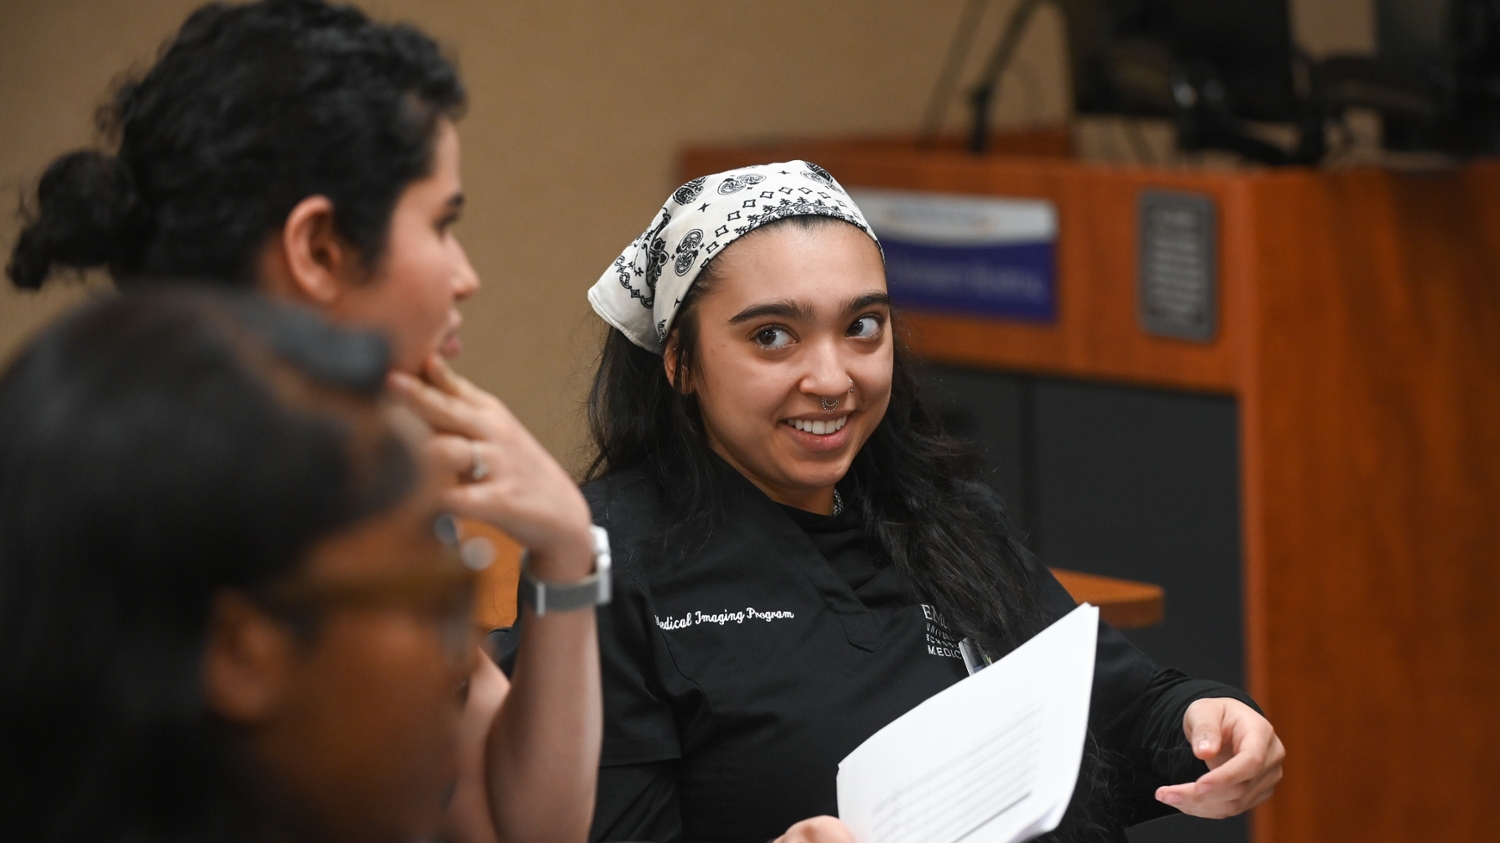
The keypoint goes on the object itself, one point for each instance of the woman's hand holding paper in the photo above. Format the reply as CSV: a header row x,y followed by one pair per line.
x,y
1243,754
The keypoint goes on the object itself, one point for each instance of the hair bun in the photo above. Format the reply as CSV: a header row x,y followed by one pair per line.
x,y
83,206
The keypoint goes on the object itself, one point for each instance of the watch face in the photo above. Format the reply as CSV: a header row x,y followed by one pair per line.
x,y
601,548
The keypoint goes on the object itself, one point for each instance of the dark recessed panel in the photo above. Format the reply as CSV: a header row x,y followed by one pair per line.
x,y
1126,482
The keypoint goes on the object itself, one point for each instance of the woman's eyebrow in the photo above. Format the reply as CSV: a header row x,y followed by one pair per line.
x,y
867,300
783,308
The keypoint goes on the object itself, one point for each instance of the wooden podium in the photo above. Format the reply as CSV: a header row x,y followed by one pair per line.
x,y
1358,333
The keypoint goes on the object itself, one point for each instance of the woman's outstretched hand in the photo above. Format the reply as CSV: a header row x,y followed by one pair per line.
x,y
506,477
1243,755
817,830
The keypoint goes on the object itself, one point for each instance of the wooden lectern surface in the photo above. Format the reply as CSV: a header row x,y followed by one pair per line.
x,y
1124,604
495,595
1359,331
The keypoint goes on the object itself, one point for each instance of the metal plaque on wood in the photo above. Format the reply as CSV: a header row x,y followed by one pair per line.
x,y
1177,276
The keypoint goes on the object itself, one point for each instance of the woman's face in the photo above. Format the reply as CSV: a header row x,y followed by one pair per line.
x,y
424,273
365,731
797,318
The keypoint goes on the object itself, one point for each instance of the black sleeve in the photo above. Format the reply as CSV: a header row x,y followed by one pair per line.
x,y
1136,709
640,725
637,802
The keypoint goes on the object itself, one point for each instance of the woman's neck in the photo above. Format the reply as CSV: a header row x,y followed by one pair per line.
x,y
816,500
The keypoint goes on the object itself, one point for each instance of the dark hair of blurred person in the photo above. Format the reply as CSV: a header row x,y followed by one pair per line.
x,y
255,116
307,151
224,613
249,109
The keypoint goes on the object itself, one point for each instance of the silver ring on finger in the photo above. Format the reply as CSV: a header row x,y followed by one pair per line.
x,y
478,468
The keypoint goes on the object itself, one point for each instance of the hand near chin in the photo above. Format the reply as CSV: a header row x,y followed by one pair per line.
x,y
505,477
818,830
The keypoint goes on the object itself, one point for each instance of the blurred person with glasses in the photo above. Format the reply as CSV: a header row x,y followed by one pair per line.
x,y
232,606
303,150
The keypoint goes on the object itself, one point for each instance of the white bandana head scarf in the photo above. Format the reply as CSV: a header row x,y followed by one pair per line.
x,y
642,289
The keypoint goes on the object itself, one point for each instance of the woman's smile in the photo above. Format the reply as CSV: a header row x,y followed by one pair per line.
x,y
819,427
793,370
819,437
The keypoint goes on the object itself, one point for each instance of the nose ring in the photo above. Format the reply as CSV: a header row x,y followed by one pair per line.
x,y
830,406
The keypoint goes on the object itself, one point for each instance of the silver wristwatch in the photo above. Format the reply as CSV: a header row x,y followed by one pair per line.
x,y
592,590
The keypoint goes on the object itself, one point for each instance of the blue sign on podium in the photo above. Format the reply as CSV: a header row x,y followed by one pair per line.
x,y
967,254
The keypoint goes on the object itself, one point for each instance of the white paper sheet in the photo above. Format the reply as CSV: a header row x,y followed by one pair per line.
x,y
992,759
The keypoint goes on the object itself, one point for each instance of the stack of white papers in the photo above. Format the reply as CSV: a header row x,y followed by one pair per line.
x,y
992,759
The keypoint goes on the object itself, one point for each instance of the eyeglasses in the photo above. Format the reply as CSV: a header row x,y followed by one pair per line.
x,y
444,592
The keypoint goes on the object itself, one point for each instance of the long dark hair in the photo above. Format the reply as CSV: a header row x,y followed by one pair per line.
x,y
249,110
915,486
912,483
154,450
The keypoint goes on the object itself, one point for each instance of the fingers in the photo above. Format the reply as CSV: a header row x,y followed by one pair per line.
x,y
1200,800
444,412
479,502
818,830
1261,792
1204,724
1242,768
1244,779
438,373
1250,737
453,454
523,490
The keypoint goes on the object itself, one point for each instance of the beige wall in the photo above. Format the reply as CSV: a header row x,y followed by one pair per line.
x,y
577,108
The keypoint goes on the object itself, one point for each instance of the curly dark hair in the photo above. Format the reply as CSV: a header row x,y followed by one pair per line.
x,y
248,110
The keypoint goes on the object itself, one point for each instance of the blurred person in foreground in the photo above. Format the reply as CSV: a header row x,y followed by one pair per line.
x,y
231,607
303,150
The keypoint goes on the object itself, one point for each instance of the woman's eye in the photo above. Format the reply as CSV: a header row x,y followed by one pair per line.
x,y
865,326
773,338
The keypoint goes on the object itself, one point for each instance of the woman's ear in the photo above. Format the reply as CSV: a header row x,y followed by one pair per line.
x,y
669,357
247,660
307,260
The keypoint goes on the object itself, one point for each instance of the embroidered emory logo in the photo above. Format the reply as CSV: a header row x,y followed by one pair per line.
x,y
939,641
722,618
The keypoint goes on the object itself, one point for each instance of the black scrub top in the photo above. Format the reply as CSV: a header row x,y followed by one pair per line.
x,y
736,676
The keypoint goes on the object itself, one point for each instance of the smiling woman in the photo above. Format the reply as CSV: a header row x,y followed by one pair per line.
x,y
762,442
790,356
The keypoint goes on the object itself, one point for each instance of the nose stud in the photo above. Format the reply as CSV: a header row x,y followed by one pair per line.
x,y
830,406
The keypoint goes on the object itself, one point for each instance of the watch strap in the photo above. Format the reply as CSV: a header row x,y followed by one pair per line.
x,y
592,590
